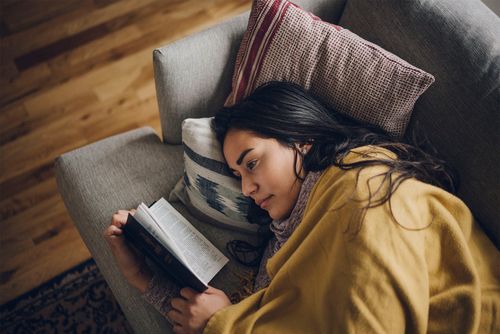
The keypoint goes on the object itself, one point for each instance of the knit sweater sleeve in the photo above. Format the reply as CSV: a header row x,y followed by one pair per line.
x,y
160,292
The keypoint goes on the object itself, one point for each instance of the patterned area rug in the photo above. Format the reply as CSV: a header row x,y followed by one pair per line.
x,y
77,301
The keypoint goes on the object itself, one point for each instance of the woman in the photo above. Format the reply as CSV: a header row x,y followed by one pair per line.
x,y
378,244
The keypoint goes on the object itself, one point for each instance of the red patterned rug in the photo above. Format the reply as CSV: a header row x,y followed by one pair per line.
x,y
76,301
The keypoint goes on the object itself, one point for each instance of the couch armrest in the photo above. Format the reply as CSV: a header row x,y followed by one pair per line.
x,y
98,179
193,75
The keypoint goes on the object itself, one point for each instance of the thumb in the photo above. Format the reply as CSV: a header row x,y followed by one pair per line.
x,y
211,290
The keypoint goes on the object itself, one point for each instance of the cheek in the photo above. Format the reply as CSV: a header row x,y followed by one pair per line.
x,y
282,176
287,172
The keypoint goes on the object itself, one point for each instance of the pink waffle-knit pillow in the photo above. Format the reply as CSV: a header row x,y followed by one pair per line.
x,y
285,43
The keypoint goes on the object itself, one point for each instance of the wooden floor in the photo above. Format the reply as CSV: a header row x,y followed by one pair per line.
x,y
72,72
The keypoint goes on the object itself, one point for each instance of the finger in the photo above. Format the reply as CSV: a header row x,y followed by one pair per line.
x,y
124,212
175,316
178,304
119,220
188,293
170,321
178,329
115,238
214,291
211,290
112,230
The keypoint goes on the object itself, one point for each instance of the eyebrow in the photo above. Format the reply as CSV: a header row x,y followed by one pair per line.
x,y
242,156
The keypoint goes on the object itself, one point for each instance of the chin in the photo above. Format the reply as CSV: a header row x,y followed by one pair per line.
x,y
272,215
276,215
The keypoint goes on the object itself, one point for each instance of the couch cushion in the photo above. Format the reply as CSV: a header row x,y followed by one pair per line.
x,y
208,188
352,75
459,42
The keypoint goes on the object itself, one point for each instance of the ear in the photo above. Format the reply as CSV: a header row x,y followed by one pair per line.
x,y
303,147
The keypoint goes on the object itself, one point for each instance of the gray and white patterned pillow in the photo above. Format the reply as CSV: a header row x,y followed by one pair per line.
x,y
207,188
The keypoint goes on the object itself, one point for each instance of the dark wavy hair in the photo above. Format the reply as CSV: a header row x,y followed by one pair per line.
x,y
289,114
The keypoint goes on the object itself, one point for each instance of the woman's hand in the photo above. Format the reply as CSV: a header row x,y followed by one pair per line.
x,y
132,264
190,314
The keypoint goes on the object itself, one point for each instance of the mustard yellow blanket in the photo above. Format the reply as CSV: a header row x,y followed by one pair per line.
x,y
430,271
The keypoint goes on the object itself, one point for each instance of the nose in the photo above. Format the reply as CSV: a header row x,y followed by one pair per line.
x,y
248,186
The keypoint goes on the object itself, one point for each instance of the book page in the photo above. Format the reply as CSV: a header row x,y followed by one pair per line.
x,y
203,258
148,221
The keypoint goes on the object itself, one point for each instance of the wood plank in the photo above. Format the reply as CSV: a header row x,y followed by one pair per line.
x,y
30,223
26,198
35,57
13,123
56,104
12,186
25,14
29,242
128,117
152,37
51,31
38,148
147,91
89,52
26,83
69,111
104,3
119,86
19,275
8,69
60,46
18,122
85,74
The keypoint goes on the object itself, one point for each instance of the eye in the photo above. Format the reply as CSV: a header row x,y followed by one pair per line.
x,y
251,164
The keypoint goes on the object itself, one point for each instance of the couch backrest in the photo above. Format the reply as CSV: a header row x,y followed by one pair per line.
x,y
193,75
458,41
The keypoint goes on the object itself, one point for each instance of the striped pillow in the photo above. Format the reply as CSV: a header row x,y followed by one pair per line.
x,y
207,188
285,43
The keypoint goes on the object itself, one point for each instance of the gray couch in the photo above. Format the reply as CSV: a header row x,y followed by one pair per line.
x,y
458,41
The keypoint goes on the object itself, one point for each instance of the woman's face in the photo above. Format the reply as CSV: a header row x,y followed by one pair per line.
x,y
266,170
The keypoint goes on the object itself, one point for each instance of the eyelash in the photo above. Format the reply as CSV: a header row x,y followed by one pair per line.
x,y
251,162
248,166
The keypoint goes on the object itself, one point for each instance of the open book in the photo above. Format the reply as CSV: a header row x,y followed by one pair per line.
x,y
176,246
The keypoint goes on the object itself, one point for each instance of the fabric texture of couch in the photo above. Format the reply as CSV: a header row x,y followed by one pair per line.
x,y
458,41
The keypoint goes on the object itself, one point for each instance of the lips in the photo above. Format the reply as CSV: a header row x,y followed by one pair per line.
x,y
263,203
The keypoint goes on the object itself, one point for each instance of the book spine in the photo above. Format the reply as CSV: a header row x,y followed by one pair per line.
x,y
155,251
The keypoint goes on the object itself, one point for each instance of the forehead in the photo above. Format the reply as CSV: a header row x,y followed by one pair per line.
x,y
237,141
